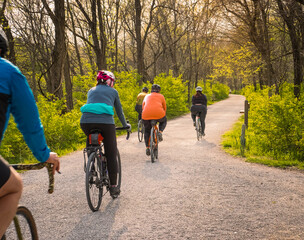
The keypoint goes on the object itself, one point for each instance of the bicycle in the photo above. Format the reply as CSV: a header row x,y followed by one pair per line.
x,y
23,225
198,127
153,140
96,171
140,130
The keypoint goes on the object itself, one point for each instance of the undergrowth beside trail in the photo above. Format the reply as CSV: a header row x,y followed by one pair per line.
x,y
275,132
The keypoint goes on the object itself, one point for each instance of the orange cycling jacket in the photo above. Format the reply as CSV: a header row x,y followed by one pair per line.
x,y
154,106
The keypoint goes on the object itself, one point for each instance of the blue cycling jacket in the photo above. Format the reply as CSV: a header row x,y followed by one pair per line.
x,y
17,98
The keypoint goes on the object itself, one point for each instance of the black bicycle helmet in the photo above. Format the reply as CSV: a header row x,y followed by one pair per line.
x,y
155,88
3,43
145,89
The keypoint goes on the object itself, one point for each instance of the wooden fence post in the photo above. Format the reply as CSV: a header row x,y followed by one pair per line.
x,y
246,113
243,140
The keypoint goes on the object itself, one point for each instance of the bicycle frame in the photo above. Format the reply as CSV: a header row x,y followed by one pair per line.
x,y
153,140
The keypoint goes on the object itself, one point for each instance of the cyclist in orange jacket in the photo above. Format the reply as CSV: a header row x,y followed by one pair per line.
x,y
154,108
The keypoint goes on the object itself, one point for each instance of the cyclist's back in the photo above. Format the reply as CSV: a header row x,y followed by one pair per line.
x,y
154,108
199,107
139,100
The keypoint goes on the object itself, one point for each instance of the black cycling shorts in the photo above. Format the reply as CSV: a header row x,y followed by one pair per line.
x,y
5,173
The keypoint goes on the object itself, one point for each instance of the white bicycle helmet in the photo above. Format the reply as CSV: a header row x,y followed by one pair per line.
x,y
199,89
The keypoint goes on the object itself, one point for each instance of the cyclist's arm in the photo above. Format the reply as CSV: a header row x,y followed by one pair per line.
x,y
192,100
25,112
205,98
119,111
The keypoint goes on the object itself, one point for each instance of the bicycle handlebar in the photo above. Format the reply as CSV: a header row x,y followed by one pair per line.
x,y
129,130
125,128
38,166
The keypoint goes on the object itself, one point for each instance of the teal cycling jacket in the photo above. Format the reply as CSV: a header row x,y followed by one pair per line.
x,y
100,105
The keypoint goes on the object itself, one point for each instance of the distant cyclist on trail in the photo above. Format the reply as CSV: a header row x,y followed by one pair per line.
x,y
139,101
154,108
98,113
199,106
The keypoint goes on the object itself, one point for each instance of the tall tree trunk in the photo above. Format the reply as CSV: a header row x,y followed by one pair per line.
x,y
288,13
59,50
68,84
75,39
116,35
7,30
140,55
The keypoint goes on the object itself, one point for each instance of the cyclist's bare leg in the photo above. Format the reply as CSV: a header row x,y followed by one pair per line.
x,y
10,194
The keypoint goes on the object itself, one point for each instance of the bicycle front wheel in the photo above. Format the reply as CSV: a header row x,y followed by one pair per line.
x,y
93,180
118,173
198,129
140,130
23,226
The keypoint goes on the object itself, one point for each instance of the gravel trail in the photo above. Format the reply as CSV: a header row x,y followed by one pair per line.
x,y
194,191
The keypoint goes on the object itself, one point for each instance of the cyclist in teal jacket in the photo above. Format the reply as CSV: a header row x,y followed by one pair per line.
x,y
17,98
98,113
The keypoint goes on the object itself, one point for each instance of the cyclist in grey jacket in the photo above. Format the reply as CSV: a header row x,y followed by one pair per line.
x,y
98,113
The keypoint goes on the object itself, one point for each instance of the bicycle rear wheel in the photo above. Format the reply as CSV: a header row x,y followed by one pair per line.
x,y
23,226
93,180
153,144
140,130
198,129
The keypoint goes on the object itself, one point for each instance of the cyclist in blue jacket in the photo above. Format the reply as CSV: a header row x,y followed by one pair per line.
x,y
17,98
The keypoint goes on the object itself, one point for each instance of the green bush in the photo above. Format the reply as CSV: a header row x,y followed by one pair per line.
x,y
175,93
275,126
214,91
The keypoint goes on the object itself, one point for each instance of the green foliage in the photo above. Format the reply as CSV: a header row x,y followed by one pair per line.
x,y
213,90
62,129
175,93
128,89
81,86
275,128
62,132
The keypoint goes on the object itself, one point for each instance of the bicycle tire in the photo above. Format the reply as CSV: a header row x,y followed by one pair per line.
x,y
152,144
93,178
198,129
23,226
140,130
156,143
118,173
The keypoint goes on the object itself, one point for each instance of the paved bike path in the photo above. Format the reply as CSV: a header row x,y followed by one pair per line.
x,y
194,191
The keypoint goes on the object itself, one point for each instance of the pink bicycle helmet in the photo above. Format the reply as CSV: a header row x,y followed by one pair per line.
x,y
106,77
